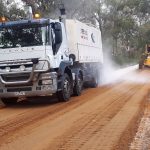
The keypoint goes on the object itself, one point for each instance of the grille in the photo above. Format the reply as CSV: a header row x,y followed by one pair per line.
x,y
16,66
19,89
20,77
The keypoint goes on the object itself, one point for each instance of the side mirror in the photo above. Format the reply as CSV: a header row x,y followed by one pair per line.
x,y
58,33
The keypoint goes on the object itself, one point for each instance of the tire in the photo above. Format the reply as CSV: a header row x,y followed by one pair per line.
x,y
141,62
65,94
141,65
94,83
95,80
9,101
77,90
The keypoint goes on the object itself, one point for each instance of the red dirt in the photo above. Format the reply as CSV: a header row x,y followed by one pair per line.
x,y
100,119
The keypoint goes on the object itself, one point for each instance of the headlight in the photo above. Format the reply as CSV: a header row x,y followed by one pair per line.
x,y
47,82
45,76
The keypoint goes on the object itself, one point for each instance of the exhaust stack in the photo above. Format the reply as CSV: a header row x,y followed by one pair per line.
x,y
62,18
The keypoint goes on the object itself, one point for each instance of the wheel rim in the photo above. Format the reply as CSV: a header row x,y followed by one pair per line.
x,y
66,88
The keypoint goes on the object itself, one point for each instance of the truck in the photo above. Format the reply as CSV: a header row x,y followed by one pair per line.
x,y
44,57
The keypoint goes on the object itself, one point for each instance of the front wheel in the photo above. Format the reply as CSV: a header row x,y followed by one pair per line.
x,y
65,93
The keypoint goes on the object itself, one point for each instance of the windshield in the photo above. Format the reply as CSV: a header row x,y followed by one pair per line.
x,y
22,37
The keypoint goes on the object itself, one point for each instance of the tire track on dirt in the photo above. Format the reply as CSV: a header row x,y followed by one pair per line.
x,y
41,128
17,119
50,129
87,127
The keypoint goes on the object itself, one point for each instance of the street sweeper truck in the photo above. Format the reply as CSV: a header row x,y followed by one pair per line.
x,y
42,57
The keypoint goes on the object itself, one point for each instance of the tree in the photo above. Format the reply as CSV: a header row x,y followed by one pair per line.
x,y
124,23
10,10
78,9
2,8
47,8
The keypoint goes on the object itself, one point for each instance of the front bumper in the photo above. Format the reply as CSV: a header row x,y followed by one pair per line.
x,y
38,88
23,94
27,83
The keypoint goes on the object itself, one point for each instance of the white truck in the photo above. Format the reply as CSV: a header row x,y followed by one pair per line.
x,y
41,57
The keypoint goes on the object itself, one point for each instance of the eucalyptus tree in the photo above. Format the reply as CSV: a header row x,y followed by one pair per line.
x,y
3,9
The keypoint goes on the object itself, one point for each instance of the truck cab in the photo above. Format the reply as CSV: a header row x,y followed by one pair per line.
x,y
40,39
31,52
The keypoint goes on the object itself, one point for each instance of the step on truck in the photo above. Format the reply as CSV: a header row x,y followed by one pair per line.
x,y
42,57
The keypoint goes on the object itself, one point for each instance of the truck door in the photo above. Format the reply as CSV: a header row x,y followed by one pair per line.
x,y
56,40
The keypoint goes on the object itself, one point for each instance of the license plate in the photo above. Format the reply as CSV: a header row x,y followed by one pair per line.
x,y
20,93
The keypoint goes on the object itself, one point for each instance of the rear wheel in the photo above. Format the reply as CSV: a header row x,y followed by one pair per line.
x,y
9,101
77,90
65,93
95,80
141,64
94,83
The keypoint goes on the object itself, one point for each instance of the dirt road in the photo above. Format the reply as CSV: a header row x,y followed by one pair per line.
x,y
100,119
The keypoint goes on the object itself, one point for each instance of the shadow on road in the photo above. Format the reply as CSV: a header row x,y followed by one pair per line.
x,y
35,102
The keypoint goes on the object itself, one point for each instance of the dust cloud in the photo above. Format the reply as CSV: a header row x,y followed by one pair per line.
x,y
111,73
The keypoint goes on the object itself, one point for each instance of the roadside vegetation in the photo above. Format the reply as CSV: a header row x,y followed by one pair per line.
x,y
125,25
